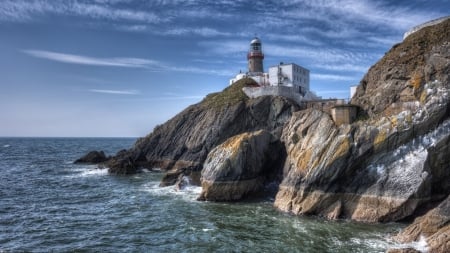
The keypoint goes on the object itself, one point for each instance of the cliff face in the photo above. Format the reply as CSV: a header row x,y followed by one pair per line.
x,y
386,167
185,140
400,76
392,164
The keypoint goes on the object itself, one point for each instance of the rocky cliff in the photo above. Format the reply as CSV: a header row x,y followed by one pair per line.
x,y
386,167
185,140
391,164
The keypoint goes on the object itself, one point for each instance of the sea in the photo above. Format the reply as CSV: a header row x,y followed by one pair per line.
x,y
50,204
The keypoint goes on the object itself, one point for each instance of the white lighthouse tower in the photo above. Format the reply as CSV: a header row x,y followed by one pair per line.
x,y
255,57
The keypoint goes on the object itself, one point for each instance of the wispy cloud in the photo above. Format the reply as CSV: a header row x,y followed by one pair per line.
x,y
343,67
86,60
20,10
105,12
338,12
202,31
123,62
330,77
117,92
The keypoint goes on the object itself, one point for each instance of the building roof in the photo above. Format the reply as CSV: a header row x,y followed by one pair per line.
x,y
255,40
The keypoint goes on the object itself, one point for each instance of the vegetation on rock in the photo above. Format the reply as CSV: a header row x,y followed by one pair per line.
x,y
231,95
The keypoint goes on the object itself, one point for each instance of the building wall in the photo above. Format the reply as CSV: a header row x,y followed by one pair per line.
x,y
284,91
255,64
292,75
344,114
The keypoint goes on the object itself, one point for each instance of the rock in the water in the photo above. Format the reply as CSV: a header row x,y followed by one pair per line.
x,y
434,226
182,177
239,167
93,157
123,163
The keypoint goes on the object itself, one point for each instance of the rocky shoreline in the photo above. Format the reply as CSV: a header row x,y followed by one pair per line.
x,y
392,164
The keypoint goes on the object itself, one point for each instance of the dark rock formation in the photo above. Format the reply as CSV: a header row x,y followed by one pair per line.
x,y
123,163
384,168
186,139
93,157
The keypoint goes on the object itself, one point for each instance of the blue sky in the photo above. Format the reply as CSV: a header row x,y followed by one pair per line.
x,y
120,67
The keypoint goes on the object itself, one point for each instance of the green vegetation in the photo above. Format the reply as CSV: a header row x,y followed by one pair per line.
x,y
231,95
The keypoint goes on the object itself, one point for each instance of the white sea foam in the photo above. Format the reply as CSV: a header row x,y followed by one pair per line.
x,y
420,245
89,171
189,193
94,172
6,146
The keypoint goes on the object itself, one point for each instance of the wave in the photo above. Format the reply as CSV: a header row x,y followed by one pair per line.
x,y
89,171
188,193
420,245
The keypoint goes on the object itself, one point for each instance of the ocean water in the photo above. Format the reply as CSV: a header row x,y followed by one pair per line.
x,y
47,203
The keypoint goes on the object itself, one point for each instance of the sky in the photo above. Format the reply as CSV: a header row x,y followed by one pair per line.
x,y
118,68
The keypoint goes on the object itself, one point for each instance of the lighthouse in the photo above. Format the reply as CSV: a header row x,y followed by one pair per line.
x,y
255,57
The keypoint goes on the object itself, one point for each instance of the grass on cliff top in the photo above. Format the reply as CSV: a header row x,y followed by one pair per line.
x,y
411,52
231,95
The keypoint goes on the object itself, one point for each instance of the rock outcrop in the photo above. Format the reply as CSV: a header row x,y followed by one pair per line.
x,y
434,226
241,166
386,167
93,157
185,140
400,76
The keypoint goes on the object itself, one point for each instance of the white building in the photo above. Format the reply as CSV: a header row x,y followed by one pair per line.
x,y
288,80
291,75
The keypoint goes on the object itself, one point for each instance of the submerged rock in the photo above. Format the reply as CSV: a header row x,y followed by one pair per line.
x,y
93,157
240,166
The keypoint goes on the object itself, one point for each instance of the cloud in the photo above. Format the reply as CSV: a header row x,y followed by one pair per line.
x,y
339,12
20,10
202,31
86,60
343,67
104,12
118,92
123,62
331,77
